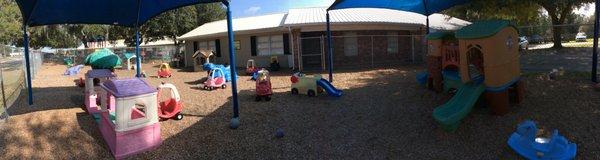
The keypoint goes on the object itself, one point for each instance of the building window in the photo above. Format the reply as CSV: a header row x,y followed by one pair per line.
x,y
392,47
237,45
207,45
350,44
269,45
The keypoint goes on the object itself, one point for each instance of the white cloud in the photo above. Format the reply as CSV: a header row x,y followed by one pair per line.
x,y
252,10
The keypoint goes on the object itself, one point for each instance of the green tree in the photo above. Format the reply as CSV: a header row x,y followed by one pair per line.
x,y
10,22
558,11
171,24
521,12
209,12
524,12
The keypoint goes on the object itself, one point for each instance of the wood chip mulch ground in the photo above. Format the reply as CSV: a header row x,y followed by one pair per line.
x,y
383,114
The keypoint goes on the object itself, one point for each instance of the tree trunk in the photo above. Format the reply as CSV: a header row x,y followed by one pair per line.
x,y
557,38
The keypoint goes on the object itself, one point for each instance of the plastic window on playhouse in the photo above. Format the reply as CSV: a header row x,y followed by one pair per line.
x,y
138,113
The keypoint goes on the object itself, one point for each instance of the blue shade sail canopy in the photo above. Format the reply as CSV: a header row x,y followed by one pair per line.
x,y
129,13
425,7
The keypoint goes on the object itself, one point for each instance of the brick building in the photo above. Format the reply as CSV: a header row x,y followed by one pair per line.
x,y
361,37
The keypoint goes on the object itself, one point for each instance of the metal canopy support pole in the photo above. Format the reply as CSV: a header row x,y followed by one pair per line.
x,y
427,31
27,65
595,54
330,48
138,58
426,15
236,113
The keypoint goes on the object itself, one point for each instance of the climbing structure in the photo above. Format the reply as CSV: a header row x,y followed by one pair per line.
x,y
478,62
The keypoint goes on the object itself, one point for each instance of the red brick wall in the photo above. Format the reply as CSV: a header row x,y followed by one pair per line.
x,y
372,50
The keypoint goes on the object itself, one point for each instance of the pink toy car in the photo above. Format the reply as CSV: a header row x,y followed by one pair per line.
x,y
216,79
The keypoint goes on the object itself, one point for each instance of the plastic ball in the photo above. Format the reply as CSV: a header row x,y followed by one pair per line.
x,y
279,133
235,123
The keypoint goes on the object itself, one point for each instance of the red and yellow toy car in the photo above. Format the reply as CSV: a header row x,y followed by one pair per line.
x,y
251,67
164,70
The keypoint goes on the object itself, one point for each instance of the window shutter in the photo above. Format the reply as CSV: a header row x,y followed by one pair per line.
x,y
253,46
286,44
218,47
195,47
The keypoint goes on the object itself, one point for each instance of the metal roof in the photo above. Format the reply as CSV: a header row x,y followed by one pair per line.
x,y
219,28
316,16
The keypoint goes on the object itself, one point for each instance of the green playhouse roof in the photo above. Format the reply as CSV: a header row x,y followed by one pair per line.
x,y
440,35
482,29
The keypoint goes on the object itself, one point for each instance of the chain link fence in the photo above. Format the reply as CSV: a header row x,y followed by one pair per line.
x,y
539,53
362,51
13,75
155,54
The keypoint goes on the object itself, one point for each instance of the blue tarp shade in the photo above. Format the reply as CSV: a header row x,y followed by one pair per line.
x,y
113,12
425,7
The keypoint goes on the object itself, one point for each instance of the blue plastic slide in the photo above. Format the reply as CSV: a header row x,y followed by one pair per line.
x,y
330,89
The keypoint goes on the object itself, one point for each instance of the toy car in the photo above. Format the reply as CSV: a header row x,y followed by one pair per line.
x,y
302,84
170,108
216,79
312,85
250,67
263,85
164,70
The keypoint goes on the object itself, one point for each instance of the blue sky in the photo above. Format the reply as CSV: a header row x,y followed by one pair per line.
x,y
245,8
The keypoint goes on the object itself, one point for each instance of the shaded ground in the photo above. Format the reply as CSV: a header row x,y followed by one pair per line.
x,y
571,59
382,115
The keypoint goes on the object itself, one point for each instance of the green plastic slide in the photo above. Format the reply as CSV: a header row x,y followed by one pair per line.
x,y
450,114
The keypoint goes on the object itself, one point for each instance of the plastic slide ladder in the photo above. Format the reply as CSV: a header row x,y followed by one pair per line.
x,y
330,89
450,114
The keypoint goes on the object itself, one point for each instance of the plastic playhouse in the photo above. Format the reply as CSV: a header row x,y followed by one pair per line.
x,y
215,79
479,61
132,126
251,67
200,58
263,85
171,107
526,143
312,85
131,61
164,70
93,78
